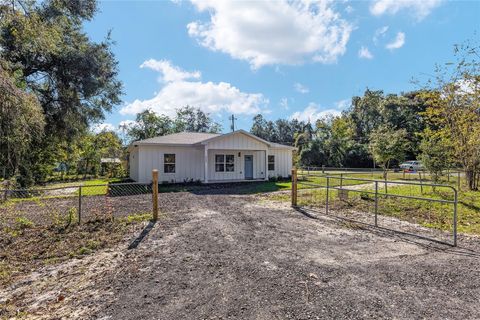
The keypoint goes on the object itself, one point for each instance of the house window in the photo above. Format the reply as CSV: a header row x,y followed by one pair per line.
x,y
219,163
169,163
230,163
224,163
271,163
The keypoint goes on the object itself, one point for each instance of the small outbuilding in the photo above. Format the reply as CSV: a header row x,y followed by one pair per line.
x,y
209,158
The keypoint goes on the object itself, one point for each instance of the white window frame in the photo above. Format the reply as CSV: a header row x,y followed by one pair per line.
x,y
271,162
224,164
230,164
165,163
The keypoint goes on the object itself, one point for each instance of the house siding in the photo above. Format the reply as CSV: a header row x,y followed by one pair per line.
x,y
238,141
190,160
239,173
283,162
189,163
133,162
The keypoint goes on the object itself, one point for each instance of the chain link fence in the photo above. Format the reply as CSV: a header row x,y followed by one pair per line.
x,y
74,204
424,209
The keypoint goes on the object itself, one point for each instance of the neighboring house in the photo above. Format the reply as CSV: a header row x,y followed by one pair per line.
x,y
207,157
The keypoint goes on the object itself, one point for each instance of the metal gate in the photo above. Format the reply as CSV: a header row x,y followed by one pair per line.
x,y
425,210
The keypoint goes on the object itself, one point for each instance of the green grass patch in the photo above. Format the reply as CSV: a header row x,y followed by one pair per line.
x,y
139,217
426,213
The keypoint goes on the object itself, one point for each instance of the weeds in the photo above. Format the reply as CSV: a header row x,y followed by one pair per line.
x,y
25,247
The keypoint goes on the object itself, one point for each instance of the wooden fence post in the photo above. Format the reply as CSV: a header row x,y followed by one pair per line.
x,y
294,187
155,193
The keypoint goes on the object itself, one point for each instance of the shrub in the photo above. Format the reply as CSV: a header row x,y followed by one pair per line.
x,y
23,223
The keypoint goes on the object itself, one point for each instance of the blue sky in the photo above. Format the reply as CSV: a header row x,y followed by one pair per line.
x,y
283,60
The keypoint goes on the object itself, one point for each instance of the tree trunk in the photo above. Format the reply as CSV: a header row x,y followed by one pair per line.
x,y
472,178
86,170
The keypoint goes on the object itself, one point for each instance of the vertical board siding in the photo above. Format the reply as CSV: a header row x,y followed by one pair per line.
x,y
133,159
189,163
238,166
239,173
237,141
283,162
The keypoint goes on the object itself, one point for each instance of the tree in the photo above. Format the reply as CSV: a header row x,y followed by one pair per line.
x,y
191,119
148,125
73,78
436,154
259,127
21,124
93,147
387,145
283,131
454,108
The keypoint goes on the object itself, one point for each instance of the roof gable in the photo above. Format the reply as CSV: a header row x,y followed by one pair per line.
x,y
243,132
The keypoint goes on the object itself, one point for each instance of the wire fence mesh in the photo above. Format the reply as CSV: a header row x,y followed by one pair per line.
x,y
72,204
424,209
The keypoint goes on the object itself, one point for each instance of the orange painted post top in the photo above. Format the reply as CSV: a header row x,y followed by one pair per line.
x,y
155,193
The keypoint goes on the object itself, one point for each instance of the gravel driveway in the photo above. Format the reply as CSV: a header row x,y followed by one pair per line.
x,y
242,257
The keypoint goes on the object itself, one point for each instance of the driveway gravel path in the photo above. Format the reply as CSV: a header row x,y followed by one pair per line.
x,y
243,257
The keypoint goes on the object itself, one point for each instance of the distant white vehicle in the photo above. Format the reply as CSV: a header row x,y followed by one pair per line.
x,y
413,165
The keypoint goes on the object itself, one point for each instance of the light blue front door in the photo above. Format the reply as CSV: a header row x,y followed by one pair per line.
x,y
248,167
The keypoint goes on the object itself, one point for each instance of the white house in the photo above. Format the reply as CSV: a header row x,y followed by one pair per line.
x,y
207,157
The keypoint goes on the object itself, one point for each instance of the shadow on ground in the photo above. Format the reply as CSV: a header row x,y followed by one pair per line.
x,y
422,241
235,188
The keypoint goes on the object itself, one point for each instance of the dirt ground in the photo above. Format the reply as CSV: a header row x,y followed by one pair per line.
x,y
222,256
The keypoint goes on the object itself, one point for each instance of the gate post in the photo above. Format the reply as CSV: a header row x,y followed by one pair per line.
x,y
294,187
155,193
79,204
376,203
328,189
455,208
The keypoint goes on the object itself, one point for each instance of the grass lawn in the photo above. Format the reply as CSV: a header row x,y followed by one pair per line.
x,y
96,187
429,214
254,187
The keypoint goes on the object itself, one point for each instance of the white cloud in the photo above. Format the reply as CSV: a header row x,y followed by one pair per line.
x,y
419,8
100,127
364,53
272,32
284,103
349,9
170,72
343,104
208,96
301,88
312,113
126,124
397,43
379,34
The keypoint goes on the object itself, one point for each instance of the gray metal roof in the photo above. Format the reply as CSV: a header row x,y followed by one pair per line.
x,y
191,138
182,138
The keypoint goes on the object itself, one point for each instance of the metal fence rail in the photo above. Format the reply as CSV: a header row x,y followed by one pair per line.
x,y
72,204
397,205
449,176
